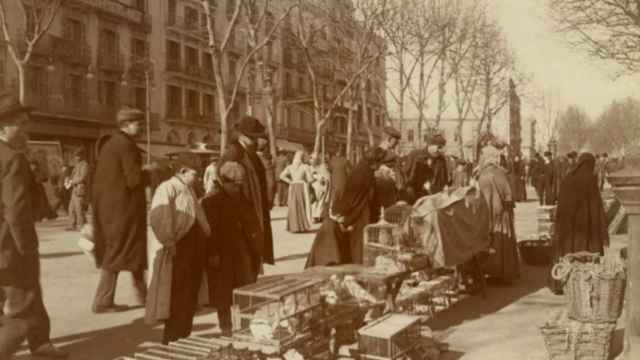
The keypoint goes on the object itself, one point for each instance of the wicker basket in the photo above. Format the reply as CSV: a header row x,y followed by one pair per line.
x,y
573,340
595,290
535,252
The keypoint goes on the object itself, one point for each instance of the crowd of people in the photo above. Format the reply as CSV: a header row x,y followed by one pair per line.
x,y
213,225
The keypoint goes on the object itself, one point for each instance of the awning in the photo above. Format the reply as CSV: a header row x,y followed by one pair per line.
x,y
287,145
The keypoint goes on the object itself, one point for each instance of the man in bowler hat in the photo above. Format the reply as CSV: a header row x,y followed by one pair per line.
x,y
19,256
79,191
120,211
244,150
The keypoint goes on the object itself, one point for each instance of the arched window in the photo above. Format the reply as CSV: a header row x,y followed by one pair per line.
x,y
173,137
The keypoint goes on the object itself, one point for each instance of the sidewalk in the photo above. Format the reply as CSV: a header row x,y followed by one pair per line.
x,y
502,326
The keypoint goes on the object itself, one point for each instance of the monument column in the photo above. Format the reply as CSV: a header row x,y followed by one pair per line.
x,y
626,186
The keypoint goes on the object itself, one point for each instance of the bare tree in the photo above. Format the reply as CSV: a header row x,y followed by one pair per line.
x,y
573,129
37,17
260,29
605,29
547,103
219,47
618,127
316,34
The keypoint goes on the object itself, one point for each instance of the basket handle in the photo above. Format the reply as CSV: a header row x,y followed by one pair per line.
x,y
583,257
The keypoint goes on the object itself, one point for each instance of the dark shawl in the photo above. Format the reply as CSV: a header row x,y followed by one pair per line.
x,y
119,204
339,169
581,223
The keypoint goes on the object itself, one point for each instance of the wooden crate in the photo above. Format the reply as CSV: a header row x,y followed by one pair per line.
x,y
390,337
277,298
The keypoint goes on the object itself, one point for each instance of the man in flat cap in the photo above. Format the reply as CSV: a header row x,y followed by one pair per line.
x,y
79,191
120,216
243,150
19,257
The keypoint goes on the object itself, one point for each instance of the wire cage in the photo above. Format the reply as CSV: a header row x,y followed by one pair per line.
x,y
389,337
381,238
287,305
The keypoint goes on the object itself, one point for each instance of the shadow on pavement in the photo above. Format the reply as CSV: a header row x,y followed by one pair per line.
x,y
60,254
498,297
292,257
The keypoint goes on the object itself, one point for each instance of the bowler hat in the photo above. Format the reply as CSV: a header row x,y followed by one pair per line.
x,y
127,113
392,132
251,127
10,106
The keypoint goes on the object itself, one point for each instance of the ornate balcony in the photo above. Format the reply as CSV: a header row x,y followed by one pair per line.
x,y
109,61
119,9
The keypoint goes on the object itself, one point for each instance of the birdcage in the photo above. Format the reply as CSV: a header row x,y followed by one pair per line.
x,y
400,214
279,308
381,238
389,337
546,220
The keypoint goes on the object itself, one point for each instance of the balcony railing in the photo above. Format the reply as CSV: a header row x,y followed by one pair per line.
x,y
174,65
72,52
110,61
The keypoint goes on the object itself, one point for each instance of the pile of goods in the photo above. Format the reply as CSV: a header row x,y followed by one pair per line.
x,y
536,250
594,287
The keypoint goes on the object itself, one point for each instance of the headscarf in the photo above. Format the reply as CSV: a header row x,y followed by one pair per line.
x,y
490,156
298,159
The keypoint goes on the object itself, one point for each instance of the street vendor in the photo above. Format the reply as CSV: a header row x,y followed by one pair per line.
x,y
426,170
340,238
180,225
233,252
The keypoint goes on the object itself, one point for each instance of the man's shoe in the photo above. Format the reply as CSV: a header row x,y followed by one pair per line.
x,y
71,228
109,309
49,350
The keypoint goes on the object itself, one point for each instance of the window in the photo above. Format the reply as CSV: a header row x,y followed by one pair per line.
x,y
409,135
75,90
140,98
109,42
74,30
173,55
207,61
208,105
140,5
174,101
108,93
193,105
301,85
171,12
203,20
191,56
191,17
288,84
138,48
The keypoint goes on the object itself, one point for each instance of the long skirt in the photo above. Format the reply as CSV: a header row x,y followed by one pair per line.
x,y
330,247
298,216
322,197
503,264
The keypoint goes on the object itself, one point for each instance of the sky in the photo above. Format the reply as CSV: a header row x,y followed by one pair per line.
x,y
569,74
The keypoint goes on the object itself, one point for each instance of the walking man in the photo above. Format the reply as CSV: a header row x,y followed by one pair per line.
x,y
120,216
79,191
19,256
281,162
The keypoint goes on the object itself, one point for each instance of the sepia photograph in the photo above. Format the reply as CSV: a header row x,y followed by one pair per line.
x,y
319,179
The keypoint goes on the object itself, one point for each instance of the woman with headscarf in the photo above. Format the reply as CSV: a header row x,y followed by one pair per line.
x,y
581,223
496,190
340,238
298,176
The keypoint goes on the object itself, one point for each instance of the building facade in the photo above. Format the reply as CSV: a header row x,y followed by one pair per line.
x,y
98,55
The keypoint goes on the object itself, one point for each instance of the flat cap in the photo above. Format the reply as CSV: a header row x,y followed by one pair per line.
x,y
128,113
231,171
392,132
251,127
10,106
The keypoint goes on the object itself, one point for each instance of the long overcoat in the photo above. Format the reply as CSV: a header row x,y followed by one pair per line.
x,y
119,204
254,189
18,238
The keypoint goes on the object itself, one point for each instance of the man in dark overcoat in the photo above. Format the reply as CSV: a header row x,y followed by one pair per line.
x,y
19,256
254,187
120,216
339,168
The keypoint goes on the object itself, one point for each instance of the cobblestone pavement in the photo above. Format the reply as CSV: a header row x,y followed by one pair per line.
x,y
501,326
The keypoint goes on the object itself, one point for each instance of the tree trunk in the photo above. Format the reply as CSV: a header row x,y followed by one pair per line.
x,y
365,114
317,139
21,83
271,131
349,133
460,139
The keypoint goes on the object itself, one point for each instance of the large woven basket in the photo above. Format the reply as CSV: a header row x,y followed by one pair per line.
x,y
535,252
572,340
594,290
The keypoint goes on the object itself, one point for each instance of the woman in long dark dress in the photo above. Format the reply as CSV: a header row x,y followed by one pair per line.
x,y
581,223
340,238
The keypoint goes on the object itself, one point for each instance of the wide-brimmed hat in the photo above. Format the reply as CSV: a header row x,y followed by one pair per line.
x,y
201,148
251,127
10,106
186,160
128,114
